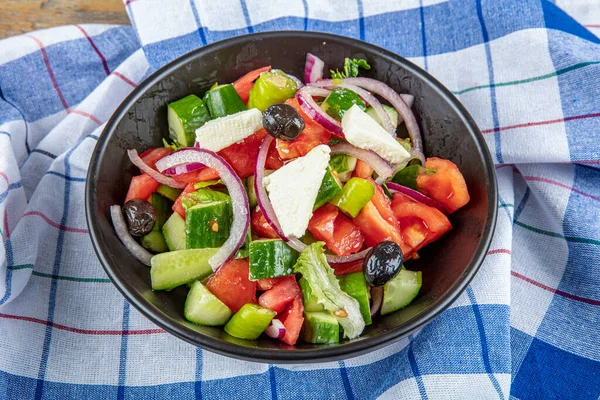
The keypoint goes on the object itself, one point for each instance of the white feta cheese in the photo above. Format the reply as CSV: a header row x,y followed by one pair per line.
x,y
293,189
222,132
364,132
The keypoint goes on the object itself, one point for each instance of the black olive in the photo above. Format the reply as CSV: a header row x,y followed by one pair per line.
x,y
382,263
140,217
283,122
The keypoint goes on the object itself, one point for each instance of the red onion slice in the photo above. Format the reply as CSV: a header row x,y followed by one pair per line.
x,y
123,233
314,111
382,167
376,299
157,176
237,192
415,195
276,329
313,69
182,169
389,94
261,194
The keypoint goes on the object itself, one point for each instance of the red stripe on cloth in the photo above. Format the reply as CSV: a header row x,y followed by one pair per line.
x,y
54,224
2,174
104,64
83,331
50,73
498,251
128,2
87,115
592,26
538,179
558,292
123,77
552,121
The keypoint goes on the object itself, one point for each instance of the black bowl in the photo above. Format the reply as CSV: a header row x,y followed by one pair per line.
x,y
140,122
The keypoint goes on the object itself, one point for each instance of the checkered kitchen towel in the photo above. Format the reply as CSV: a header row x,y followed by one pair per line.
x,y
527,327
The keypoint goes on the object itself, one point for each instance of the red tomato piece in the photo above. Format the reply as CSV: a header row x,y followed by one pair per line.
x,y
260,226
141,187
178,206
242,156
243,85
199,175
279,296
383,204
268,283
151,156
447,185
347,268
337,231
376,229
292,319
312,136
362,170
420,223
231,284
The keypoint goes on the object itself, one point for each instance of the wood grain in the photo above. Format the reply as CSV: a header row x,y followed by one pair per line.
x,y
20,16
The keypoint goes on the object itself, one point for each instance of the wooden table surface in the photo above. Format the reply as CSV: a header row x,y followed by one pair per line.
x,y
20,16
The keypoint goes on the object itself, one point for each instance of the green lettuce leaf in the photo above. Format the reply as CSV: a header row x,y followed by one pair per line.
x,y
351,66
325,287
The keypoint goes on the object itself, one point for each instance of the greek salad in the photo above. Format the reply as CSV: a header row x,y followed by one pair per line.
x,y
289,208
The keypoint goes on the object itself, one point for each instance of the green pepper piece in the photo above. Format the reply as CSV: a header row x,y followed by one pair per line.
x,y
355,194
408,176
340,101
272,87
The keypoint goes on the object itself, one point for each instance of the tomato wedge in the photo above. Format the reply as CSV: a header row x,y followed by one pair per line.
x,y
199,175
151,156
383,204
312,136
376,229
260,226
243,85
362,170
338,232
293,319
178,206
231,284
447,185
267,283
282,294
141,187
421,224
242,155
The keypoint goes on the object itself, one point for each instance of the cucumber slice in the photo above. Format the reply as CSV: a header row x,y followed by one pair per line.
x,y
176,268
344,165
330,186
320,327
251,193
174,232
204,308
154,242
355,285
184,117
223,100
310,301
249,322
208,224
168,192
391,111
271,258
401,291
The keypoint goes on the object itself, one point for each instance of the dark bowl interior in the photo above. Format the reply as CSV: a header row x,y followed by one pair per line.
x,y
140,122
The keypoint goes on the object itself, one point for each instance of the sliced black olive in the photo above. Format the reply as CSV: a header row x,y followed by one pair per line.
x,y
283,122
382,263
140,217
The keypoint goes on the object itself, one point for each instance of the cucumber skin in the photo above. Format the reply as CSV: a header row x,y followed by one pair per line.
x,y
249,322
406,285
189,113
154,242
330,187
310,301
204,308
355,285
223,100
271,258
174,232
168,192
199,221
320,328
176,268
